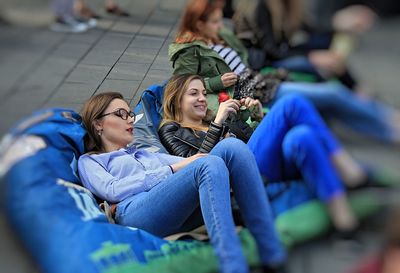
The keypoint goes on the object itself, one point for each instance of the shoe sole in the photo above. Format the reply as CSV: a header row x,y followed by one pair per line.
x,y
67,30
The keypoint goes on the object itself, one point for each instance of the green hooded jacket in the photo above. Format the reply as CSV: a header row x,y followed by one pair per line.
x,y
198,58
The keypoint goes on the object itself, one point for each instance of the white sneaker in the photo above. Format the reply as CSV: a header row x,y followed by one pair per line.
x,y
69,24
91,22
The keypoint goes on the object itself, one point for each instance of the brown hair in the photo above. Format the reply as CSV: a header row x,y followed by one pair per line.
x,y
91,111
287,16
196,10
173,94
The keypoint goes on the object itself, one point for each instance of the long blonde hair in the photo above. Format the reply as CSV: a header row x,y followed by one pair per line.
x,y
91,111
173,93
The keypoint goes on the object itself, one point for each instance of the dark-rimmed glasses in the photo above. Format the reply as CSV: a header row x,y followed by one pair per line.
x,y
122,113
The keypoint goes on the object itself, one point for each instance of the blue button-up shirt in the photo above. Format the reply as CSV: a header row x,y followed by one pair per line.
x,y
119,174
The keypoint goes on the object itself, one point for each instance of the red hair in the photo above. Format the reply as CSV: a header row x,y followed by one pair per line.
x,y
195,11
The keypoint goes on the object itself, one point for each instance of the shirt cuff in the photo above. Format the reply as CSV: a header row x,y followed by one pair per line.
x,y
162,174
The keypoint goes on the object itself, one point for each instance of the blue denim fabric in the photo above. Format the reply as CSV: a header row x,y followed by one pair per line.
x,y
172,205
293,142
63,7
336,101
297,63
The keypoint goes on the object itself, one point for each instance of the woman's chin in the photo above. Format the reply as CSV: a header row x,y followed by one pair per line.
x,y
201,116
201,112
129,140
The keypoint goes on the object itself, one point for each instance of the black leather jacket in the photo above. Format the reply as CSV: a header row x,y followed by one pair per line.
x,y
186,142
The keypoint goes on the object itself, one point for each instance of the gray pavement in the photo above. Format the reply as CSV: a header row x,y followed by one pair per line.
x,y
39,68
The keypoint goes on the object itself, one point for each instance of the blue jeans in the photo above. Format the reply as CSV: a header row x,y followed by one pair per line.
x,y
334,100
297,63
293,142
63,7
173,205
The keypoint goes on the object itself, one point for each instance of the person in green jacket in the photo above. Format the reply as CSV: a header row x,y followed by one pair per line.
x,y
196,57
204,47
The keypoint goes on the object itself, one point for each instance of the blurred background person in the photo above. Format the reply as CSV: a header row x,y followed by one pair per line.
x,y
65,19
325,15
110,6
321,14
387,260
278,34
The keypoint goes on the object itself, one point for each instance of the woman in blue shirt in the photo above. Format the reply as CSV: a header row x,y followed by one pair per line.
x,y
165,194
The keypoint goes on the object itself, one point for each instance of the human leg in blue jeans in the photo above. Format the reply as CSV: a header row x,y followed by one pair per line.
x,y
293,142
297,63
206,183
336,101
301,63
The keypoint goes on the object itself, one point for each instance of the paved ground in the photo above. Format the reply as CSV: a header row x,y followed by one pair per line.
x,y
49,69
39,68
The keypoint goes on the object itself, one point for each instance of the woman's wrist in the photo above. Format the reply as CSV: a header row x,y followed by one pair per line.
x,y
214,132
218,120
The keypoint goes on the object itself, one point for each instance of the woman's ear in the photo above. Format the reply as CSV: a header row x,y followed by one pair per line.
x,y
98,125
199,25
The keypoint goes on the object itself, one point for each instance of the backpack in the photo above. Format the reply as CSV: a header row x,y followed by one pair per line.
x,y
148,117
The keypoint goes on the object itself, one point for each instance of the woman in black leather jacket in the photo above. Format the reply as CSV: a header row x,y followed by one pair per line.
x,y
291,142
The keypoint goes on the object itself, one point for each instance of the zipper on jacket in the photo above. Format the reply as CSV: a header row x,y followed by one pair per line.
x,y
196,54
188,143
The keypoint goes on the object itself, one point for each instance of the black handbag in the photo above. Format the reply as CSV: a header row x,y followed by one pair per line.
x,y
238,128
257,58
259,86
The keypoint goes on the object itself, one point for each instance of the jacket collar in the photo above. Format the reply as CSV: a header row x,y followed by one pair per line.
x,y
186,135
201,48
225,34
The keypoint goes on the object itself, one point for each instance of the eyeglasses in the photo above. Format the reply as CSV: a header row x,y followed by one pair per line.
x,y
122,113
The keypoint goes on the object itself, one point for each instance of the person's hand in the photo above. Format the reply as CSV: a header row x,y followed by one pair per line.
x,y
229,79
226,107
254,106
183,163
354,19
328,61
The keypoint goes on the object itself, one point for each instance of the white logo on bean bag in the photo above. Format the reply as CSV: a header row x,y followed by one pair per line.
x,y
13,150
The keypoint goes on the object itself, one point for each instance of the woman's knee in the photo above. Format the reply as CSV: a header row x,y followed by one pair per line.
x,y
295,103
298,137
211,171
232,145
211,164
228,143
293,98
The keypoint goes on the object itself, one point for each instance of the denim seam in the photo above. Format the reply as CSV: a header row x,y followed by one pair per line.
x,y
215,219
